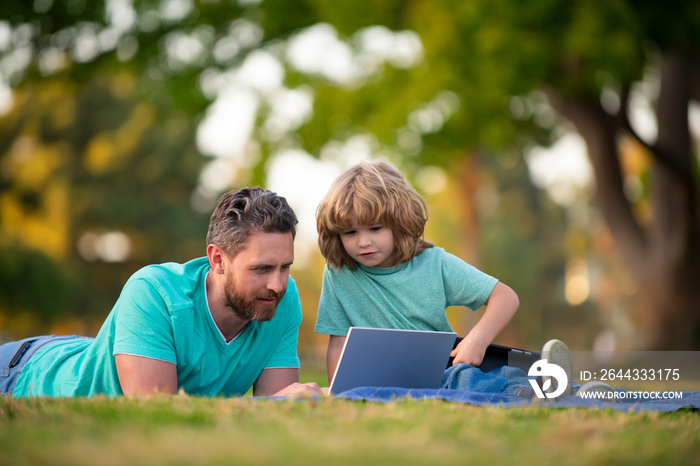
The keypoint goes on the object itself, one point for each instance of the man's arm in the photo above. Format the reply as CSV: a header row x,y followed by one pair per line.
x,y
283,381
141,376
144,345
335,348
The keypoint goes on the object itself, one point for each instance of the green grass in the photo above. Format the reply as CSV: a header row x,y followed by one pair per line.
x,y
183,430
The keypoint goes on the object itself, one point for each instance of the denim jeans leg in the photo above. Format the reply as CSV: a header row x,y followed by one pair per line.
x,y
14,356
506,379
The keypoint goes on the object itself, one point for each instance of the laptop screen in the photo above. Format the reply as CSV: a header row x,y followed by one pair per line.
x,y
375,357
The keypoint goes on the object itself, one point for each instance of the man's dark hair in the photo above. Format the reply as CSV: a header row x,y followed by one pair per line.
x,y
246,211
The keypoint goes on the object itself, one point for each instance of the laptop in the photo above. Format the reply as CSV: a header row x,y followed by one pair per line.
x,y
374,357
498,355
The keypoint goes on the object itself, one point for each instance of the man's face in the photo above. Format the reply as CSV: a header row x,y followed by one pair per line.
x,y
256,278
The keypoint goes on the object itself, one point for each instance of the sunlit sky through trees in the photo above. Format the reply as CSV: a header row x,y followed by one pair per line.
x,y
160,106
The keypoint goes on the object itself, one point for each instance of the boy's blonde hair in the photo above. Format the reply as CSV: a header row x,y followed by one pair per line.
x,y
371,193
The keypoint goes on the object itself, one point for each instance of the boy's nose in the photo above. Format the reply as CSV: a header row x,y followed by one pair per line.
x,y
363,240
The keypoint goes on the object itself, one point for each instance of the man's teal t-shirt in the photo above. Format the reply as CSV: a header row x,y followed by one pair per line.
x,y
412,295
162,313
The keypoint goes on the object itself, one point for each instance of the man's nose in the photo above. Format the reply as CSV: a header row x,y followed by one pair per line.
x,y
277,282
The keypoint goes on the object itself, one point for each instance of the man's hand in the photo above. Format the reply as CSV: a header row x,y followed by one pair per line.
x,y
302,389
284,381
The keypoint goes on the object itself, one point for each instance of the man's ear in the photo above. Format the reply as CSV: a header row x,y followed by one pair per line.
x,y
216,258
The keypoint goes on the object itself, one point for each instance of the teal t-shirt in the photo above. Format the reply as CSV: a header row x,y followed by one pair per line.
x,y
162,313
410,296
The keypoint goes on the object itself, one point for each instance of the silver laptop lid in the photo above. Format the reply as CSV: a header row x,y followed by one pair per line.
x,y
375,357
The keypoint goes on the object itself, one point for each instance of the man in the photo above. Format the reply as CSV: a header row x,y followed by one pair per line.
x,y
216,325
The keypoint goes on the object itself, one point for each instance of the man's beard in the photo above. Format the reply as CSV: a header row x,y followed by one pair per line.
x,y
245,308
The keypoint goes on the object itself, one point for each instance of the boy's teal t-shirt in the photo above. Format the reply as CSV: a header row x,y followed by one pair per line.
x,y
411,296
162,313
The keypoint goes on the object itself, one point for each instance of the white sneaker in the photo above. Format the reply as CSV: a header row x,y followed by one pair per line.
x,y
602,391
556,352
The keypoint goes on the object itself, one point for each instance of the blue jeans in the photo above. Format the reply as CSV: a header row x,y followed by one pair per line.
x,y
15,354
504,379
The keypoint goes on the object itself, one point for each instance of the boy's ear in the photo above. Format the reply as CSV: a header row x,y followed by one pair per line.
x,y
215,255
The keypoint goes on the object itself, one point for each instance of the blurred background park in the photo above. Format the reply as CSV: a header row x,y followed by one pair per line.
x,y
556,143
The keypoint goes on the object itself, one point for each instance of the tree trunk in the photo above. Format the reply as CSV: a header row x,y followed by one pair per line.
x,y
664,256
674,256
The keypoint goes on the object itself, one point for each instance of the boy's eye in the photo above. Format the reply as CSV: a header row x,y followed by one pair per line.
x,y
349,232
375,228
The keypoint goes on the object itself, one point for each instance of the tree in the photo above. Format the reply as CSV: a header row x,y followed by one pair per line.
x,y
502,63
576,52
505,59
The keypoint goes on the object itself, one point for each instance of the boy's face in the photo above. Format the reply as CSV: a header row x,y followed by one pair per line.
x,y
370,245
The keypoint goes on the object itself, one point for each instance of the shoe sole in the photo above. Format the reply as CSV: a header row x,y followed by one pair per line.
x,y
556,352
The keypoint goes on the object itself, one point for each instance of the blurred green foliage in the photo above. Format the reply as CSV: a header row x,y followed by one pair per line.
x,y
31,280
102,136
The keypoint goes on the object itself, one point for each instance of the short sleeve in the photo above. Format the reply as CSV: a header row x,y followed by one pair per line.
x,y
465,285
142,323
332,318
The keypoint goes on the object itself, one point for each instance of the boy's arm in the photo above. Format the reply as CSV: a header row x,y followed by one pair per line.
x,y
335,347
500,307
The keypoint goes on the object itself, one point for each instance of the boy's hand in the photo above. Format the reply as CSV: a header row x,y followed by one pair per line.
x,y
469,351
500,307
